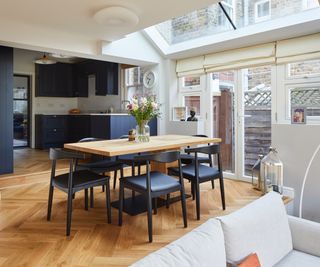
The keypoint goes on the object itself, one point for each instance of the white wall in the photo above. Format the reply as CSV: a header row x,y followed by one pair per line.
x,y
296,145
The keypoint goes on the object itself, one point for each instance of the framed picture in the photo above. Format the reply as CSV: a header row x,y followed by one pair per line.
x,y
179,113
299,115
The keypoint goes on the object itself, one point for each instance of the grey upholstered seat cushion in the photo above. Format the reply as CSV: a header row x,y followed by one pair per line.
x,y
299,259
159,182
188,171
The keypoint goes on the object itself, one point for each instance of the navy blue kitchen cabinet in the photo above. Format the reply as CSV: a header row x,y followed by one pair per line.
x,y
71,80
56,130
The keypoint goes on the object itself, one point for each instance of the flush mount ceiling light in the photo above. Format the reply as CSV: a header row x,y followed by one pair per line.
x,y
116,16
45,60
57,55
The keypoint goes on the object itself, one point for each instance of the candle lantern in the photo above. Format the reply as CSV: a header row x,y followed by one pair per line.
x,y
271,172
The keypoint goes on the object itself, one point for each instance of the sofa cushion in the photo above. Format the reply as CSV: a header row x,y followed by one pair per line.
x,y
297,259
261,227
203,246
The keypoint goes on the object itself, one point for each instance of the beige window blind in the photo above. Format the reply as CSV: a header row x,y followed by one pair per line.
x,y
190,66
298,49
240,58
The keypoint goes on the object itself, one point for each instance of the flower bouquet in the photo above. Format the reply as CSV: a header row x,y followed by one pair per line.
x,y
143,109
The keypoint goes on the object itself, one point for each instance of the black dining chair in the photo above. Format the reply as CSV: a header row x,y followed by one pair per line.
x,y
188,158
198,172
73,182
101,165
154,184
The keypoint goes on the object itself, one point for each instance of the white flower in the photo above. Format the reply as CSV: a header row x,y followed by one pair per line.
x,y
134,106
143,101
154,105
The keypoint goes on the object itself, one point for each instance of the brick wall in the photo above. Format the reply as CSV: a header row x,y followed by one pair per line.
x,y
211,20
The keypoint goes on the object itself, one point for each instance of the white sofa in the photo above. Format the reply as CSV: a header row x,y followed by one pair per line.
x,y
261,227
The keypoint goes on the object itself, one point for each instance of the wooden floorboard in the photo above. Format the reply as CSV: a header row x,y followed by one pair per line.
x,y
27,239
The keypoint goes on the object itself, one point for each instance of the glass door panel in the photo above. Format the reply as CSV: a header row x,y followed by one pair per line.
x,y
21,111
223,108
256,99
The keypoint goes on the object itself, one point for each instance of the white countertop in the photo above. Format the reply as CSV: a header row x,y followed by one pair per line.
x,y
90,114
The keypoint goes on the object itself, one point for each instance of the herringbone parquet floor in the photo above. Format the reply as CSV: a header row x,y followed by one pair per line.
x,y
27,239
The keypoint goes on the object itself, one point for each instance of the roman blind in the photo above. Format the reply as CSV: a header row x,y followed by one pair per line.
x,y
190,66
240,58
297,49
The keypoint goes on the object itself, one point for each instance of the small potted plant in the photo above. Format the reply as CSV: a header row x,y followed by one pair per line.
x,y
143,109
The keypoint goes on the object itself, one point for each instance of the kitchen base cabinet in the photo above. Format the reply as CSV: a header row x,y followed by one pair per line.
x,y
51,131
56,130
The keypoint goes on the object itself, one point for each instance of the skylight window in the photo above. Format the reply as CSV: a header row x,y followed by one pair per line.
x,y
213,20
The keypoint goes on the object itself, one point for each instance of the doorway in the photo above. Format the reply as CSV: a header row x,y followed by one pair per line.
x,y
21,110
240,105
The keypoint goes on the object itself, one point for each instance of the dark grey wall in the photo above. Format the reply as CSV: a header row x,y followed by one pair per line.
x,y
6,110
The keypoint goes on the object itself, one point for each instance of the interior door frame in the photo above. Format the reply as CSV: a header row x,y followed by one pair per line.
x,y
29,78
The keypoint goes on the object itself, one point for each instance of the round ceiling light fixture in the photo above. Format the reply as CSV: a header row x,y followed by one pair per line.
x,y
116,16
44,60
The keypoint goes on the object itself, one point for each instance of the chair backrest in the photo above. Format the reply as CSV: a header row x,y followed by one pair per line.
x,y
89,139
200,135
58,153
210,149
162,157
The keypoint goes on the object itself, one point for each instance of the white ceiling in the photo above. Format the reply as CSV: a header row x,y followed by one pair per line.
x,y
76,16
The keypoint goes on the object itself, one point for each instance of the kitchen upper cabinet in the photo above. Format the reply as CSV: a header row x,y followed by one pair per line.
x,y
107,76
45,80
55,80
80,80
71,80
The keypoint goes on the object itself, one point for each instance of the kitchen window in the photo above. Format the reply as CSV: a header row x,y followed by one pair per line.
x,y
192,102
262,10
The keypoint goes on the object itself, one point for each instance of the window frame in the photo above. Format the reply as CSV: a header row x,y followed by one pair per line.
x,y
288,88
264,18
193,88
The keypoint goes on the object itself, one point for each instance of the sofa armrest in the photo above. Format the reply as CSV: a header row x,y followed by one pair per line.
x,y
305,235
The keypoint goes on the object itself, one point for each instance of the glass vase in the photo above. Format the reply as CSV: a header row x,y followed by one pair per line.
x,y
142,132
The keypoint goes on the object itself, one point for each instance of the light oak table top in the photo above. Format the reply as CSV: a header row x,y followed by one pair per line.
x,y
117,147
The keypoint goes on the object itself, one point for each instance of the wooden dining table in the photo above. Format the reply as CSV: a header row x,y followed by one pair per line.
x,y
159,143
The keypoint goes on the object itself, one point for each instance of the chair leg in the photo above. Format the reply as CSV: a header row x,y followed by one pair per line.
x,y
121,195
86,199
197,199
168,201
133,174
103,188
222,193
192,190
184,208
149,204
212,184
115,174
69,214
91,197
108,201
50,202
155,205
